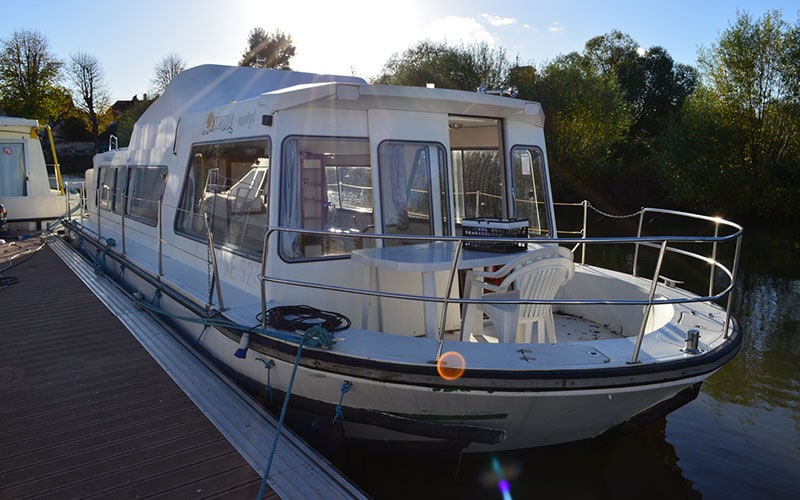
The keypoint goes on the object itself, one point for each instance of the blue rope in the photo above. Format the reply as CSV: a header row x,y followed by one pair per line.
x,y
314,332
268,365
345,388
100,260
322,339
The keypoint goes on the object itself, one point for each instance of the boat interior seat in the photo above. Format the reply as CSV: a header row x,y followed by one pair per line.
x,y
534,275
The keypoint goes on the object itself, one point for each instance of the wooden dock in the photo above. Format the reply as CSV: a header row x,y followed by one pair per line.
x,y
96,400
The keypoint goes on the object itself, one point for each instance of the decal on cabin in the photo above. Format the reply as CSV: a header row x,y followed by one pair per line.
x,y
247,119
223,123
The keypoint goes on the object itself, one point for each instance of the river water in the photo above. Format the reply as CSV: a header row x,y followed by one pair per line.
x,y
739,439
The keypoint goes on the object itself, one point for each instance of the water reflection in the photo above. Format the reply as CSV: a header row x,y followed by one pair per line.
x,y
627,467
765,372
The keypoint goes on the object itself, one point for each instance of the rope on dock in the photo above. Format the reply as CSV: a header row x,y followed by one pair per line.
x,y
6,281
322,336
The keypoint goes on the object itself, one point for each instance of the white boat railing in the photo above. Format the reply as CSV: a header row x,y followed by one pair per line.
x,y
664,244
579,239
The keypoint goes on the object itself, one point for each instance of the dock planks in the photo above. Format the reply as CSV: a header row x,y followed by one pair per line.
x,y
85,410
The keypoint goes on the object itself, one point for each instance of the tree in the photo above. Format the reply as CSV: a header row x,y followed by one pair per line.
x,y
29,76
167,69
465,67
92,98
742,127
268,50
128,119
586,117
652,83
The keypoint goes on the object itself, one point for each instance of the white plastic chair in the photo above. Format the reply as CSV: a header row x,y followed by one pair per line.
x,y
535,275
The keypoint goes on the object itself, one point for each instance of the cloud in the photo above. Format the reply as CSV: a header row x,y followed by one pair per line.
x,y
497,20
555,27
459,29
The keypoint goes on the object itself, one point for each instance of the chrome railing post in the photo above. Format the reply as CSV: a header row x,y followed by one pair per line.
x,y
263,281
585,230
122,220
213,254
448,291
649,305
734,273
160,236
713,259
636,245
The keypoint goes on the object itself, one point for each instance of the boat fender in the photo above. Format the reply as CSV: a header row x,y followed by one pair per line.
x,y
241,351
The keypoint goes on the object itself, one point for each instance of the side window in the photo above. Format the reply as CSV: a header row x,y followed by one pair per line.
x,y
120,180
530,189
413,188
145,189
108,191
478,177
227,185
326,185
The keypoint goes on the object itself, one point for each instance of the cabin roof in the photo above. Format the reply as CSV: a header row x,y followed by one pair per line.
x,y
209,86
10,124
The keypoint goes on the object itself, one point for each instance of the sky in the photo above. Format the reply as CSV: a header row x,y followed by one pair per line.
x,y
357,37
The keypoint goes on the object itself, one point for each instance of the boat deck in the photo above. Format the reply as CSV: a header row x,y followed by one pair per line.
x,y
89,409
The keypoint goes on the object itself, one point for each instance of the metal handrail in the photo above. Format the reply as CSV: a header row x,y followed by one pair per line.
x,y
663,243
660,242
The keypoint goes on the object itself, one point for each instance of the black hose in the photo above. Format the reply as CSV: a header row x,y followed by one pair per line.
x,y
301,317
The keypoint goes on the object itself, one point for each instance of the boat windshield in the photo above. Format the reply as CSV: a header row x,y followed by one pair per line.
x,y
227,185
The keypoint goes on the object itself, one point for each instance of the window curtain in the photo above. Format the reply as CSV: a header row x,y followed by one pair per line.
x,y
291,178
397,172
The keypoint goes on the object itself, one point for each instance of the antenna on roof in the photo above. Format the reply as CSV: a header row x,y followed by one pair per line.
x,y
509,92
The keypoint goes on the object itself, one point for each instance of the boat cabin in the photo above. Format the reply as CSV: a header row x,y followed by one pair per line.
x,y
332,156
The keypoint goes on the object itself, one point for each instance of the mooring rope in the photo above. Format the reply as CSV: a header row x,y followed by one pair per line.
x,y
268,364
100,260
315,332
345,388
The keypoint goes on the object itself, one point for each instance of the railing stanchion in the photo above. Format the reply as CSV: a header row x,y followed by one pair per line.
x,y
713,260
213,254
585,230
448,291
734,273
160,236
636,245
649,305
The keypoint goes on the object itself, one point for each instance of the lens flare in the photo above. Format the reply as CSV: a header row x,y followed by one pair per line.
x,y
502,482
451,365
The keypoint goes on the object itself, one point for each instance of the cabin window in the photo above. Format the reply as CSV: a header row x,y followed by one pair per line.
x,y
478,178
12,177
145,189
413,188
110,188
227,185
530,188
118,203
326,185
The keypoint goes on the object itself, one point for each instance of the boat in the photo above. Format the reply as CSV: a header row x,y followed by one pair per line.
x,y
386,260
31,191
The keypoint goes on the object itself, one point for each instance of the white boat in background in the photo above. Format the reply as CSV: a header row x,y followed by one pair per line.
x,y
388,257
30,194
